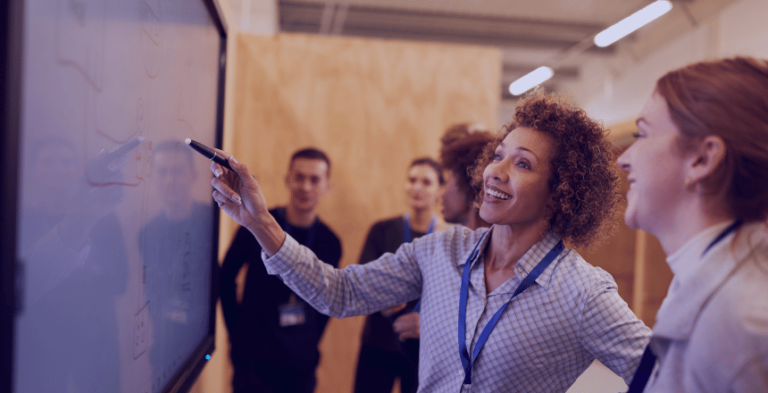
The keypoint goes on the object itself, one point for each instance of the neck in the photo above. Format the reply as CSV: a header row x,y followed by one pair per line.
x,y
689,220
473,220
420,219
178,211
510,242
300,218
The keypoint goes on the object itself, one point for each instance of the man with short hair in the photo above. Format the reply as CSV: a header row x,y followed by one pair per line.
x,y
274,333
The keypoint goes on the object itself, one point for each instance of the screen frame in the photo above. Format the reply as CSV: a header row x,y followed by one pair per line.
x,y
11,50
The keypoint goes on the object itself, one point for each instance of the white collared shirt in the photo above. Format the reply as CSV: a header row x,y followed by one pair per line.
x,y
544,340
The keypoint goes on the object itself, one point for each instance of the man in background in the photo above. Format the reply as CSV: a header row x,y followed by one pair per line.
x,y
273,333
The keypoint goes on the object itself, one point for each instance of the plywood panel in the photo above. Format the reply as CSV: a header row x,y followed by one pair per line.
x,y
616,255
372,106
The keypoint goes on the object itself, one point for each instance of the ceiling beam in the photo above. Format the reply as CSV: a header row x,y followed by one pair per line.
x,y
388,23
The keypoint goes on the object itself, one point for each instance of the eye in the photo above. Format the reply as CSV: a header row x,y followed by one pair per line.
x,y
496,157
523,164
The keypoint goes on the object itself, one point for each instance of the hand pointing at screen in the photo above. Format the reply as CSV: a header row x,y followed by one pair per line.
x,y
239,195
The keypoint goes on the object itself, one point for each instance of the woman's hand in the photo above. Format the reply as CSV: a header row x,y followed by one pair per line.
x,y
239,195
237,192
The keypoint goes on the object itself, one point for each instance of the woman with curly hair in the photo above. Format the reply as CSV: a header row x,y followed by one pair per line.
x,y
507,308
707,124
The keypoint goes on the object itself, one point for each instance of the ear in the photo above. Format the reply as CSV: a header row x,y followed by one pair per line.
x,y
328,185
706,158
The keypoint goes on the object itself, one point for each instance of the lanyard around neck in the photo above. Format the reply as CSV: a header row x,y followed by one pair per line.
x,y
648,361
466,361
407,228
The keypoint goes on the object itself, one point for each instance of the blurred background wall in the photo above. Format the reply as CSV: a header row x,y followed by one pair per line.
x,y
375,83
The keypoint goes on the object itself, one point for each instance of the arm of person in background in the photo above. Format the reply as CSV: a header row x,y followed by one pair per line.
x,y
610,331
233,262
355,290
407,326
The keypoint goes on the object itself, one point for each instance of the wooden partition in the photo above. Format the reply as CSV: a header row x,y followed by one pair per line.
x,y
373,106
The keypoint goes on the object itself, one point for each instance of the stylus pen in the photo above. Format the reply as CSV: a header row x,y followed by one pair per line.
x,y
208,153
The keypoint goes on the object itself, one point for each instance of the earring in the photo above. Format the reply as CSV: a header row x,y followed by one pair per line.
x,y
687,182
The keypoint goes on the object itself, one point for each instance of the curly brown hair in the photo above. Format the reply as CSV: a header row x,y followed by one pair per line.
x,y
460,149
584,178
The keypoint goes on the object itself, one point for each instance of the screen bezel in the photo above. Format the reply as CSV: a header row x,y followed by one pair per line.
x,y
11,50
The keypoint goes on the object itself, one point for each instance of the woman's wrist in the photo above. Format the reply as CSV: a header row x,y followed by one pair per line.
x,y
268,233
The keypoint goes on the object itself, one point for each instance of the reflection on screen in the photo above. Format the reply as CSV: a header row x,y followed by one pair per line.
x,y
116,223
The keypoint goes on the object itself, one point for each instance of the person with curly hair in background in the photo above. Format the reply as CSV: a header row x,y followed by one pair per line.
x,y
707,125
461,146
507,308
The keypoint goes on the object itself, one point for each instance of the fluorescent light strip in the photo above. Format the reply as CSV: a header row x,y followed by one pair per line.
x,y
632,23
530,80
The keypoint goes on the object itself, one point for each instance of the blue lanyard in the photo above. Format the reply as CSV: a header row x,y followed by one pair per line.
x,y
466,362
648,361
407,229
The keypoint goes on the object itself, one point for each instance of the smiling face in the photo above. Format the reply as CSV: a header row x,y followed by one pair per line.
x,y
655,169
422,187
516,181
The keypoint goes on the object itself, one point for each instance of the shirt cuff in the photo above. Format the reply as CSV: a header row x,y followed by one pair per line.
x,y
284,259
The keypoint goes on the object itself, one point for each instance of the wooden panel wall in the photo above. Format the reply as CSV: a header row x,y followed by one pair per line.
x,y
373,106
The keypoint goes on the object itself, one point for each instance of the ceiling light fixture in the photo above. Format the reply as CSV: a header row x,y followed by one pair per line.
x,y
632,23
530,80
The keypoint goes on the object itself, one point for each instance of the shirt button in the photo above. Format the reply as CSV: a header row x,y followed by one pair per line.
x,y
468,336
461,373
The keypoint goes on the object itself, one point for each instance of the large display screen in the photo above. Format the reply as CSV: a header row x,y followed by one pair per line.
x,y
115,225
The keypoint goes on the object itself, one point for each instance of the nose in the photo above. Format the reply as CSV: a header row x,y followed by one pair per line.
x,y
497,171
306,185
623,161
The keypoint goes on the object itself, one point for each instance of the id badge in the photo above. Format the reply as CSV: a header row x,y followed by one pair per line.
x,y
292,313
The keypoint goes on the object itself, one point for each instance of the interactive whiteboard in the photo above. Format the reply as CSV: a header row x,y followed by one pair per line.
x,y
115,232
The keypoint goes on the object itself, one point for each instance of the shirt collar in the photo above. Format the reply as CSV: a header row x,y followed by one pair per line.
x,y
527,262
535,254
701,276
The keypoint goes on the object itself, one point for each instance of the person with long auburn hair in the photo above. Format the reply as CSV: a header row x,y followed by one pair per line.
x,y
503,309
698,175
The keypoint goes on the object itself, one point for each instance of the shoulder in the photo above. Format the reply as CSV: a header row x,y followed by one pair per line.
x,y
326,231
394,222
743,298
456,241
574,272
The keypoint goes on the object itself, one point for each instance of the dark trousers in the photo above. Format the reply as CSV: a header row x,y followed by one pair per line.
x,y
377,370
268,379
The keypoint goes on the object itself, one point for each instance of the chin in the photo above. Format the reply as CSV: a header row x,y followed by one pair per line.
x,y
631,220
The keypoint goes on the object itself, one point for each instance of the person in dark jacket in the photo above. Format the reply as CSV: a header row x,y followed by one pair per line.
x,y
274,334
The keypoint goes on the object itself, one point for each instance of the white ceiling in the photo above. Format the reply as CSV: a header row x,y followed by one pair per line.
x,y
557,33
